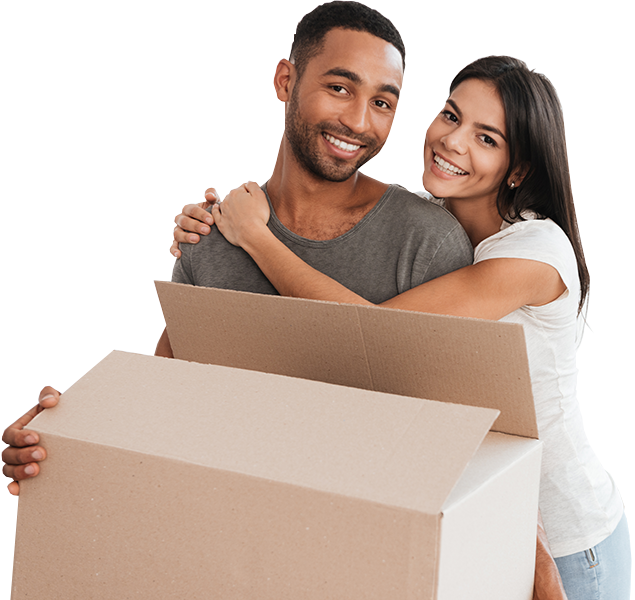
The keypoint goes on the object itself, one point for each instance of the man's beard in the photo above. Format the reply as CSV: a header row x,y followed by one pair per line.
x,y
304,142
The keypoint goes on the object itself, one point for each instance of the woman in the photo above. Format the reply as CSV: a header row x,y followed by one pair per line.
x,y
496,154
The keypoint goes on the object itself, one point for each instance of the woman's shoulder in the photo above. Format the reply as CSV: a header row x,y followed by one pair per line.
x,y
532,237
530,229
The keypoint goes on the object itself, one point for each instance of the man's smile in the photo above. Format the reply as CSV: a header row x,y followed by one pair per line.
x,y
341,144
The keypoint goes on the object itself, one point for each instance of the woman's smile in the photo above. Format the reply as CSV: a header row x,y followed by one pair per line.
x,y
446,167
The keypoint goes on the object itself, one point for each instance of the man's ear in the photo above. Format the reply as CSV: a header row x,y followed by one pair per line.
x,y
284,79
518,174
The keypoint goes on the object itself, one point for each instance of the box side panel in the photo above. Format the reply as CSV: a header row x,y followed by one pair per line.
x,y
103,523
287,336
450,359
488,538
466,361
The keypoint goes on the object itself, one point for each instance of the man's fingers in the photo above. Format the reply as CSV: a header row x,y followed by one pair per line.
x,y
20,472
49,397
15,435
23,455
13,456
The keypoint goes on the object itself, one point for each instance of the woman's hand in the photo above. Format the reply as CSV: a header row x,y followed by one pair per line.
x,y
547,582
242,214
194,219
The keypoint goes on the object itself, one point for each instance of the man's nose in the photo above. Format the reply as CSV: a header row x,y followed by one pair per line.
x,y
356,116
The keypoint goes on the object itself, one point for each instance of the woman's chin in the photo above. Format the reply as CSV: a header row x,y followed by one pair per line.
x,y
431,185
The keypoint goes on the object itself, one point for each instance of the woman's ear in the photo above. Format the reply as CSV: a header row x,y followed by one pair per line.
x,y
284,79
518,174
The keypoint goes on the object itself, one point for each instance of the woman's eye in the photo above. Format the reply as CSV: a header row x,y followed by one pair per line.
x,y
450,116
488,140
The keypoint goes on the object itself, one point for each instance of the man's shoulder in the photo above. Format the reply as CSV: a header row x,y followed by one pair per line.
x,y
418,203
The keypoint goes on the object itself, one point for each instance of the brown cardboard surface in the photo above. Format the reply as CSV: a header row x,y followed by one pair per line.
x,y
347,441
167,478
450,359
173,479
106,523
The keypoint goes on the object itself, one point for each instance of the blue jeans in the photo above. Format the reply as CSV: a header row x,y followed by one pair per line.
x,y
602,572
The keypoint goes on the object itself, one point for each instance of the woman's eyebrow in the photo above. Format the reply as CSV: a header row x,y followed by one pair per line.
x,y
455,106
490,128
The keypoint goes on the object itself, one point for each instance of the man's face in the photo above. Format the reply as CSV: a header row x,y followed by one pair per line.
x,y
340,111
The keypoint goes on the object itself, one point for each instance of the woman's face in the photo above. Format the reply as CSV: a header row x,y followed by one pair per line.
x,y
465,153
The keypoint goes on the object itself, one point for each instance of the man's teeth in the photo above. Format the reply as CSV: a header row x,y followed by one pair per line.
x,y
340,144
446,167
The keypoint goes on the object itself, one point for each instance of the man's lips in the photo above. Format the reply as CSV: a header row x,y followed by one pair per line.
x,y
341,144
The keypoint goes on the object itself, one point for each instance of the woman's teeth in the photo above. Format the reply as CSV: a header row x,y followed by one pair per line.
x,y
446,167
340,144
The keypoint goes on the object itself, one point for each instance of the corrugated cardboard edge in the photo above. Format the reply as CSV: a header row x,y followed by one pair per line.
x,y
449,359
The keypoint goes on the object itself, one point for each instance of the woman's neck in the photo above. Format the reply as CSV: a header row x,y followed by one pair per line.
x,y
480,219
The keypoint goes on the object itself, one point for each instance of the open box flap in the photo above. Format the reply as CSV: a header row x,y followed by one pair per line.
x,y
395,450
450,359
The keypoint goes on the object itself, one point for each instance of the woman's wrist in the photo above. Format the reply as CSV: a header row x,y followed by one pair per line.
x,y
257,237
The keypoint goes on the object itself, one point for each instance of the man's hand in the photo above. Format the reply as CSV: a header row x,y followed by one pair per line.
x,y
194,219
22,456
547,582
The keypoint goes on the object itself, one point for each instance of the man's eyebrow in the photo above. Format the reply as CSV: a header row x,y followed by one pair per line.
x,y
350,75
390,89
495,130
355,78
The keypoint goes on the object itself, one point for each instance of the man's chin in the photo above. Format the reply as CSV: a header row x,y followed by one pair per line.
x,y
338,172
339,177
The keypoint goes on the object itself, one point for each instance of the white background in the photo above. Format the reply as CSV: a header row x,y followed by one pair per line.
x,y
114,115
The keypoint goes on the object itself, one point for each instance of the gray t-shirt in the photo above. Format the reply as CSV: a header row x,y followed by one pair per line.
x,y
402,242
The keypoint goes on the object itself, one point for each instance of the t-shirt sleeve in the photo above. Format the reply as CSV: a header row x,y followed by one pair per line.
x,y
537,239
182,272
454,252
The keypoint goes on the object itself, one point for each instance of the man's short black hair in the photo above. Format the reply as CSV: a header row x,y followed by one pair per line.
x,y
309,35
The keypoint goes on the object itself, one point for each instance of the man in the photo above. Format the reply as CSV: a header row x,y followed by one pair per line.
x,y
340,87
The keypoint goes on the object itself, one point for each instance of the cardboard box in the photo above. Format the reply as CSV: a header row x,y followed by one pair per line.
x,y
172,479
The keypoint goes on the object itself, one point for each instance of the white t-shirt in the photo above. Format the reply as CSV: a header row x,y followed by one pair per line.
x,y
579,502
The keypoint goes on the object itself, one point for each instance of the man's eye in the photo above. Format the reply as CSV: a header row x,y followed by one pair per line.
x,y
338,88
382,104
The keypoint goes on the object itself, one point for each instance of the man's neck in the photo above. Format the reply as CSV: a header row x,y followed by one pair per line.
x,y
315,208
